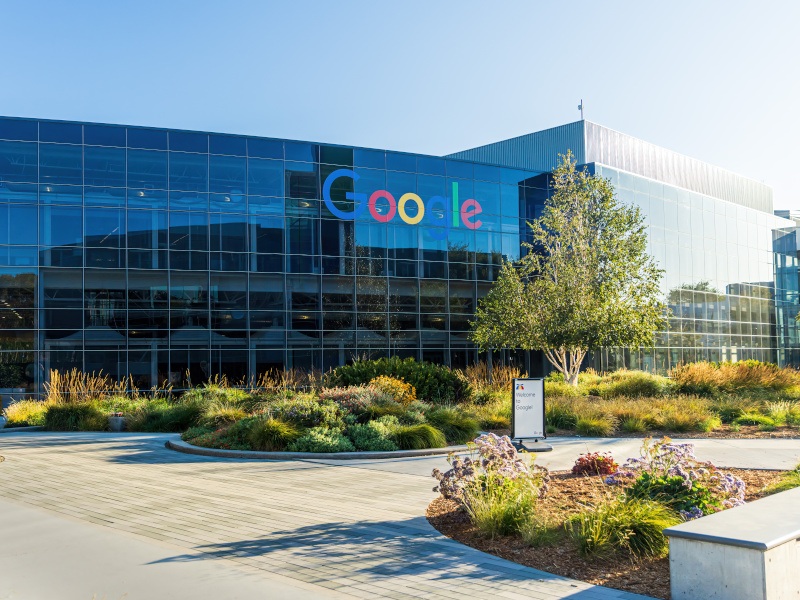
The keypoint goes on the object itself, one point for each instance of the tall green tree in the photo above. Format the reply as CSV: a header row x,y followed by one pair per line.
x,y
585,283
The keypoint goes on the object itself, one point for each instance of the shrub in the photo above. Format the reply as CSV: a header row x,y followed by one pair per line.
x,y
372,436
500,506
754,418
355,399
495,414
595,463
306,411
216,391
496,459
220,414
706,378
322,439
458,427
120,403
494,420
561,389
634,384
681,419
75,386
433,383
477,375
729,408
158,415
539,531
411,417
630,526
26,413
483,396
399,390
560,413
633,425
194,432
383,408
588,377
270,434
595,425
672,491
710,424
75,417
497,488
793,416
418,437
670,473
232,437
780,412
626,408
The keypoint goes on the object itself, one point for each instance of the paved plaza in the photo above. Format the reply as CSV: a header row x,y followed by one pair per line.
x,y
109,517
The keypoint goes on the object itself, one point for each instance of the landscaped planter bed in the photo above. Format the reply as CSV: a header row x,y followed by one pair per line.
x,y
745,432
567,495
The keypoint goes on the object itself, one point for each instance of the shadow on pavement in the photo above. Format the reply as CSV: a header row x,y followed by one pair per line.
x,y
125,448
389,550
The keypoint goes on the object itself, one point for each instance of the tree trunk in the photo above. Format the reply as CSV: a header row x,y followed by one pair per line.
x,y
567,361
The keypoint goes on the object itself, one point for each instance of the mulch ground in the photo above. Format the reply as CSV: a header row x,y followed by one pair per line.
x,y
567,495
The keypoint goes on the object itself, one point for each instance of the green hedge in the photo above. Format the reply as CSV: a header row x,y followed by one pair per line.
x,y
434,383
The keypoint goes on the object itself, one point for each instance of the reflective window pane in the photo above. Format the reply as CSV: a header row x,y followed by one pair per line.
x,y
60,164
104,167
18,129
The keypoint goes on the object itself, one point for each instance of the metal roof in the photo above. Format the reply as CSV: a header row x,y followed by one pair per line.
x,y
592,143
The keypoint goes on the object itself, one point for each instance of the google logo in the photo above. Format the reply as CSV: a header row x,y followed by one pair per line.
x,y
437,207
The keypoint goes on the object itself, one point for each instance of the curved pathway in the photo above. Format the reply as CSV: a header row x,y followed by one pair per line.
x,y
112,516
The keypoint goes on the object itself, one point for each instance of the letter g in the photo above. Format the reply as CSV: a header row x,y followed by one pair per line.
x,y
356,197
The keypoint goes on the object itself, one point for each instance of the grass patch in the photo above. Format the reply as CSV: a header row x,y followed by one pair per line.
x,y
631,384
75,417
560,412
595,425
457,426
633,425
788,481
271,435
628,526
158,415
754,418
418,437
26,413
500,507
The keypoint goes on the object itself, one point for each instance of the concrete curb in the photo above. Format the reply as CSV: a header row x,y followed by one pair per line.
x,y
181,446
12,429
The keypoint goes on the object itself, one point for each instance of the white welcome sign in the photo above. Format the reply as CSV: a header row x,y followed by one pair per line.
x,y
527,413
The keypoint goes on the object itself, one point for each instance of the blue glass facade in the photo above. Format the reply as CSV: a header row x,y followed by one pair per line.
x,y
720,264
171,255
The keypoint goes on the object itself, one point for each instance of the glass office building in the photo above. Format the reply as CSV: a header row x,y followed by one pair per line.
x,y
175,255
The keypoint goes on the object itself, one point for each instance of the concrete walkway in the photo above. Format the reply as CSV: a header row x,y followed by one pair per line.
x,y
103,516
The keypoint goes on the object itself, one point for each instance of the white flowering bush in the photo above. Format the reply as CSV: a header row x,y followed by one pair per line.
x,y
671,474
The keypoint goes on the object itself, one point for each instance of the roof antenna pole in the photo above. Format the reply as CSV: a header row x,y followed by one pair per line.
x,y
580,108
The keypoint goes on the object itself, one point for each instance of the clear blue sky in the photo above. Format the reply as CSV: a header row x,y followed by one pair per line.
x,y
714,80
